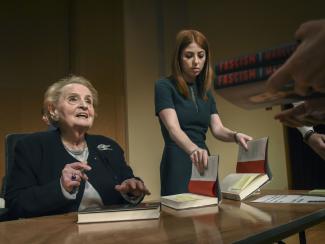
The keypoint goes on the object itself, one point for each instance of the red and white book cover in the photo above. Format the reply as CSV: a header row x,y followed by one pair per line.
x,y
207,183
254,160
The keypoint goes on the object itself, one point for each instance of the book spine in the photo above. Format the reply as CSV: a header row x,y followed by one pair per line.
x,y
244,76
262,58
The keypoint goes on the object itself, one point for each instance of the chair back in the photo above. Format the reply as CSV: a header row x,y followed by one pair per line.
x,y
10,143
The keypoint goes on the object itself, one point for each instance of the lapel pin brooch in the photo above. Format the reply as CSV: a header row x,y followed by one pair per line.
x,y
103,147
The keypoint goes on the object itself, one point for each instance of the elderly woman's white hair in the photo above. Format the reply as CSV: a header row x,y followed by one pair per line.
x,y
53,93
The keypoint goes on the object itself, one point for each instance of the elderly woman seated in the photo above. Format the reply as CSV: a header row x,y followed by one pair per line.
x,y
66,169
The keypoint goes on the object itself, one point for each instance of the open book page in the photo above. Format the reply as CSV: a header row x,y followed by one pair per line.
x,y
252,171
243,182
237,182
256,151
290,199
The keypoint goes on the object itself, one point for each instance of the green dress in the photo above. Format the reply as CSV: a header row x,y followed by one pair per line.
x,y
194,115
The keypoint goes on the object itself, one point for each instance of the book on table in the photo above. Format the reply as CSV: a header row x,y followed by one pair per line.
x,y
203,189
124,212
243,80
191,212
118,226
252,171
316,192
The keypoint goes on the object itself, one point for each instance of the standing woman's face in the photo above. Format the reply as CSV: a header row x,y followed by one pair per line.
x,y
193,58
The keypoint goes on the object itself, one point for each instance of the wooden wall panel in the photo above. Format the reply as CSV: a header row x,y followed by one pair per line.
x,y
98,47
43,41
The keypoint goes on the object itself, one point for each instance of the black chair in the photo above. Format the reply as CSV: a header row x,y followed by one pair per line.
x,y
10,143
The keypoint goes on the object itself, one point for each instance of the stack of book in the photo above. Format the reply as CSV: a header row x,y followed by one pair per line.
x,y
123,212
242,80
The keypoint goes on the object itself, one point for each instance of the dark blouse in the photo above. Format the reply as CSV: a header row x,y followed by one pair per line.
x,y
193,113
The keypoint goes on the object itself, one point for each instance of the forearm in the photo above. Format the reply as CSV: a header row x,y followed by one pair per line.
x,y
182,140
170,121
224,134
35,200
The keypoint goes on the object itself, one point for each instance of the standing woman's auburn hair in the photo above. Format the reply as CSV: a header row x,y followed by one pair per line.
x,y
204,79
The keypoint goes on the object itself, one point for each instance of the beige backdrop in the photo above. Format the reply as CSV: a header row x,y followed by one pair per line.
x,y
233,28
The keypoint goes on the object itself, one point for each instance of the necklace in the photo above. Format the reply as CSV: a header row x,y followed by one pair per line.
x,y
75,151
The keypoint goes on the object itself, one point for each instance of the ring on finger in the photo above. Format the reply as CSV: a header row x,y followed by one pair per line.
x,y
73,177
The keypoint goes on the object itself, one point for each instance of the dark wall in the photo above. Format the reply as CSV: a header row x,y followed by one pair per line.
x,y
43,41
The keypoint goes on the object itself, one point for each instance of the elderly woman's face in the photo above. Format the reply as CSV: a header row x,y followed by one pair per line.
x,y
75,106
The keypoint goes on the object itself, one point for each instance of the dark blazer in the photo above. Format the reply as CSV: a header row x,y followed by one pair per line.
x,y
34,183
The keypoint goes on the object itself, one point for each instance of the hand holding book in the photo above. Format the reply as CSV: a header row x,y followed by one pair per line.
x,y
306,68
242,139
199,158
306,64
246,83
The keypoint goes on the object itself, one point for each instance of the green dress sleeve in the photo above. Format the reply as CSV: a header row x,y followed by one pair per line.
x,y
163,95
212,102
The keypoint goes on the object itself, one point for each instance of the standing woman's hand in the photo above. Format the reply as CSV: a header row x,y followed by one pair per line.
x,y
242,139
199,158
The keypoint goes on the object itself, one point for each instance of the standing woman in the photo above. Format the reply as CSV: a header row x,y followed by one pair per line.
x,y
186,108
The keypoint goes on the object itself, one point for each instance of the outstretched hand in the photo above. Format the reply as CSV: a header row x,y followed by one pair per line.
x,y
311,112
133,186
306,64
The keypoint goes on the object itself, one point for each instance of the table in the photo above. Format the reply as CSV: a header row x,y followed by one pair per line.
x,y
231,221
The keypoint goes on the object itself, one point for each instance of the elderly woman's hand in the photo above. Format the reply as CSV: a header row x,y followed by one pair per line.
x,y
72,174
133,186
